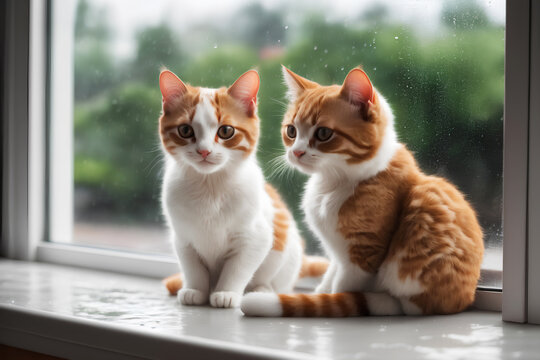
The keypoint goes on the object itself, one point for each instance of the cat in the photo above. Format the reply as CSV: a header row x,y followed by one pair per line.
x,y
230,229
399,241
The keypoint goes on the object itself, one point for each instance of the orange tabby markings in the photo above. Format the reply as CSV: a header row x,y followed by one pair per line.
x,y
323,305
281,219
414,235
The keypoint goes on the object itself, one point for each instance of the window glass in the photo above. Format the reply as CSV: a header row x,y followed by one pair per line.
x,y
439,63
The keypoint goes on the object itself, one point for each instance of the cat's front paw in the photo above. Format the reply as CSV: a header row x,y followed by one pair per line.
x,y
225,299
192,297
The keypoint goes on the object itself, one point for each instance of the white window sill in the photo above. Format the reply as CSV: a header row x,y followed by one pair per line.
x,y
75,313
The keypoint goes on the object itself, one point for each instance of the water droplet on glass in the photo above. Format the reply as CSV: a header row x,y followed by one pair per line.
x,y
396,37
315,48
286,27
375,69
215,46
325,65
326,51
342,68
279,41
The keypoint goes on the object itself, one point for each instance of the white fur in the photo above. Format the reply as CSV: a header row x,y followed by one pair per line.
x,y
383,304
261,304
409,308
389,279
220,217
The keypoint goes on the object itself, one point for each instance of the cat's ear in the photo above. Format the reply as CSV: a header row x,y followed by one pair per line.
x,y
245,90
357,88
296,84
172,88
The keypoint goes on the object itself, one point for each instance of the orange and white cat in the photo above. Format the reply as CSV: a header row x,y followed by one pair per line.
x,y
399,241
230,229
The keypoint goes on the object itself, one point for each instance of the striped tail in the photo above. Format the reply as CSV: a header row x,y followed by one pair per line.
x,y
313,266
320,305
173,283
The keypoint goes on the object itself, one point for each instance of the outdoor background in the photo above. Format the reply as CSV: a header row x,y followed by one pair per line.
x,y
440,64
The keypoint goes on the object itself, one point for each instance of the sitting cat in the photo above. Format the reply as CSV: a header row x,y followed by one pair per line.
x,y
230,229
399,241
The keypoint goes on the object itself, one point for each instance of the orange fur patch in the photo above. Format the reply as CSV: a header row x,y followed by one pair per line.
x,y
313,266
282,219
181,112
246,127
425,224
173,283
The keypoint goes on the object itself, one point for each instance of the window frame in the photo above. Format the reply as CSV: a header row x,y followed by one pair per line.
x,y
25,184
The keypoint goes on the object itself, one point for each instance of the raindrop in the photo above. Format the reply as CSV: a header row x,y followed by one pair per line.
x,y
326,51
286,27
375,69
325,65
342,68
279,41
215,46
315,48
396,37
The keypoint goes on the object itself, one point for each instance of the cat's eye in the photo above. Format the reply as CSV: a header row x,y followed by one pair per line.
x,y
225,132
291,131
323,133
185,131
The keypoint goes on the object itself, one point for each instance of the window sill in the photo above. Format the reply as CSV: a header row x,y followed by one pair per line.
x,y
75,313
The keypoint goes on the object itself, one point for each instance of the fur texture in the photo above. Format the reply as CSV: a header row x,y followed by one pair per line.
x,y
231,230
399,241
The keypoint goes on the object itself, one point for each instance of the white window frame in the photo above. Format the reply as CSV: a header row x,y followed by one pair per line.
x,y
25,184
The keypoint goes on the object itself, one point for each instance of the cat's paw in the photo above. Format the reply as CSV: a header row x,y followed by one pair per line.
x,y
192,297
225,299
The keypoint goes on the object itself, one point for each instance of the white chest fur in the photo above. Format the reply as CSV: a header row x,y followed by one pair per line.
x,y
322,201
207,212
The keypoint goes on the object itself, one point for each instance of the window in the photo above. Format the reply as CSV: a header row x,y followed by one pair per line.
x,y
439,63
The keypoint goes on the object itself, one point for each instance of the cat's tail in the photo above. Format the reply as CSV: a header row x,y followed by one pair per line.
x,y
173,283
313,266
320,305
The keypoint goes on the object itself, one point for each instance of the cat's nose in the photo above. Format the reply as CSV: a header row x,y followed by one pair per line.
x,y
204,153
298,153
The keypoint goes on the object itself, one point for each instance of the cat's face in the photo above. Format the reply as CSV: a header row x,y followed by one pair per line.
x,y
209,129
331,128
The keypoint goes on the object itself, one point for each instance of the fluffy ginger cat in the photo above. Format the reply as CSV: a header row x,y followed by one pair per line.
x,y
230,229
399,241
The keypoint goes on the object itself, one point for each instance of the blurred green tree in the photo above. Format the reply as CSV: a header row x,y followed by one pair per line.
x,y
446,90
93,63
157,46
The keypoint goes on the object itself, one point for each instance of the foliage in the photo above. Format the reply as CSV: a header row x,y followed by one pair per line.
x,y
446,90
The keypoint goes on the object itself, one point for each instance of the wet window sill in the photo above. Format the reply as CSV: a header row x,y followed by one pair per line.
x,y
74,313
